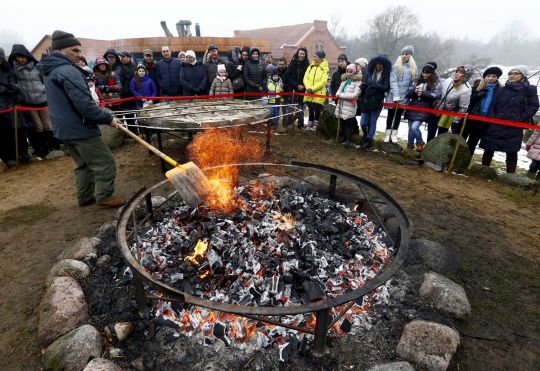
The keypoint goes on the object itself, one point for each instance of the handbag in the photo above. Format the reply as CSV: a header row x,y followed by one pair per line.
x,y
238,83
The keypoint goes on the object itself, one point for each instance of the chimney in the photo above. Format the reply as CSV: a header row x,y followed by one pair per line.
x,y
197,30
320,25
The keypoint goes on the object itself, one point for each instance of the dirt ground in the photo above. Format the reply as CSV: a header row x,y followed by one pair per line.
x,y
492,227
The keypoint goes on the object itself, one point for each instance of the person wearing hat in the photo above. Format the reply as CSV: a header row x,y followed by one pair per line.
x,y
455,97
143,86
425,90
315,82
211,62
125,58
342,62
254,74
168,74
75,118
151,66
244,54
516,101
107,82
182,56
193,75
221,84
234,68
481,97
402,75
121,71
347,93
96,94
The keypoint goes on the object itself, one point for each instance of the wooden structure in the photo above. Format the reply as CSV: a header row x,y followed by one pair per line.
x,y
286,40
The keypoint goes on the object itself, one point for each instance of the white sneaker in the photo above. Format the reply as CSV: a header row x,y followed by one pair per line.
x,y
394,136
387,136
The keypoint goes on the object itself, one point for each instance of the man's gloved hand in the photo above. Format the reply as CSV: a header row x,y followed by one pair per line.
x,y
309,91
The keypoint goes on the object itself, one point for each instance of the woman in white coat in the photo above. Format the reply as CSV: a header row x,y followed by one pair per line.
x,y
347,93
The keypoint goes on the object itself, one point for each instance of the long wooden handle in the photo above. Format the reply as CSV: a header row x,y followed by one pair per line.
x,y
151,148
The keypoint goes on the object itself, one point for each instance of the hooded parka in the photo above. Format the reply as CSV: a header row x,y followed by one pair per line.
x,y
315,79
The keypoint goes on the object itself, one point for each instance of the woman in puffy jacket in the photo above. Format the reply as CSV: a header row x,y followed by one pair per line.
x,y
425,90
517,101
376,83
193,75
315,83
456,95
347,93
254,74
29,81
481,98
142,86
107,81
402,75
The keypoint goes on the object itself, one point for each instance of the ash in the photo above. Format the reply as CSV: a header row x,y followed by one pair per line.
x,y
274,247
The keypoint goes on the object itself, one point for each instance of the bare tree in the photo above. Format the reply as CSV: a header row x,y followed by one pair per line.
x,y
8,38
391,28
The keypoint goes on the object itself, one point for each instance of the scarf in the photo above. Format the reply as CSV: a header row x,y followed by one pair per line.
x,y
222,79
486,101
347,82
517,86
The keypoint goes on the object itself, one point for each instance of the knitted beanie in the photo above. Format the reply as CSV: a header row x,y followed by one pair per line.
x,y
408,49
521,68
352,67
362,62
320,54
221,67
342,57
191,53
494,70
61,40
430,67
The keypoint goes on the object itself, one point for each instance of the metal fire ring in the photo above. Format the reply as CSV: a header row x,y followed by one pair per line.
x,y
401,247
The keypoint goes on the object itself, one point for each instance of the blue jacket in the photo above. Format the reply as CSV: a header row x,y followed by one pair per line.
x,y
168,75
148,89
73,112
509,104
193,78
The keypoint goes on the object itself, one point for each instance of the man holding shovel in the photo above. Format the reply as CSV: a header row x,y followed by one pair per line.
x,y
75,118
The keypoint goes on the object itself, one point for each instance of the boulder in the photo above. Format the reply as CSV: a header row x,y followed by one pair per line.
x,y
394,366
55,154
113,138
68,268
436,257
123,330
327,126
410,154
72,351
392,148
103,261
392,226
481,171
102,364
85,246
445,295
107,230
384,211
62,308
517,180
430,345
441,149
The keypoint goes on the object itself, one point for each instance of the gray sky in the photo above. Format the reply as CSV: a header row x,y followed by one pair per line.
x,y
32,19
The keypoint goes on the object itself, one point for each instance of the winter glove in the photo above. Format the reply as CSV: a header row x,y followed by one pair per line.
x,y
309,91
527,148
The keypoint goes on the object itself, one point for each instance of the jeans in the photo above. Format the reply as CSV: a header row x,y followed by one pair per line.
x,y
274,112
368,122
414,132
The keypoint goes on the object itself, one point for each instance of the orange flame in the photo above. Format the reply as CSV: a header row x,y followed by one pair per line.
x,y
204,274
215,147
200,250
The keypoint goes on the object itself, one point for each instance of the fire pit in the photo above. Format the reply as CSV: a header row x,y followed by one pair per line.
x,y
335,274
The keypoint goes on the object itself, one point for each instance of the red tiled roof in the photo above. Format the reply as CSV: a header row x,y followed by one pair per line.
x,y
278,36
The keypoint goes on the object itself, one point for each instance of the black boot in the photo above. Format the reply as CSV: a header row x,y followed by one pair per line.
x,y
486,160
366,144
364,136
511,167
42,149
348,135
52,142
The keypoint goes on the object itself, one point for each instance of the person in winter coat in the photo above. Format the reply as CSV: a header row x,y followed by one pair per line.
x,y
402,75
254,74
533,152
347,93
234,70
517,101
295,77
107,81
168,74
193,75
481,98
151,66
375,84
143,86
244,55
425,90
120,70
336,76
96,94
287,99
275,86
211,64
75,118
29,82
456,96
361,65
315,82
221,85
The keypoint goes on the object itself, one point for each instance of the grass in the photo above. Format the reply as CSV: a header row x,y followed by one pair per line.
x,y
25,215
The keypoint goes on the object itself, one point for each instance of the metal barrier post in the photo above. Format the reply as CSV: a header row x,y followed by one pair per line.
x,y
16,127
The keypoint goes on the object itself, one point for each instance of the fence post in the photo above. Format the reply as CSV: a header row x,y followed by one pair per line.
x,y
16,127
392,128
449,171
338,120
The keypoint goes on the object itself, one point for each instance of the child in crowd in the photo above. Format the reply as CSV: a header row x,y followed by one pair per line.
x,y
347,93
96,94
107,81
533,152
221,84
142,86
275,86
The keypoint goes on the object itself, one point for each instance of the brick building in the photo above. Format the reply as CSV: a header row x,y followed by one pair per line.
x,y
285,40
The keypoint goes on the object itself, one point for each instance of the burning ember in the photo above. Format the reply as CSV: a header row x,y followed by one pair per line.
x,y
266,246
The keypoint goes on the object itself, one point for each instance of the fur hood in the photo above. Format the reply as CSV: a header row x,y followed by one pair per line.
x,y
381,58
356,77
232,55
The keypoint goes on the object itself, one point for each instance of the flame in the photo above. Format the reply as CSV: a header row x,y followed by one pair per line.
x,y
200,250
204,274
215,147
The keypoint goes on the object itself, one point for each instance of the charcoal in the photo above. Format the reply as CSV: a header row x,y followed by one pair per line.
x,y
208,341
164,321
256,293
284,350
246,299
148,264
272,285
313,290
345,326
303,345
171,336
214,260
288,278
